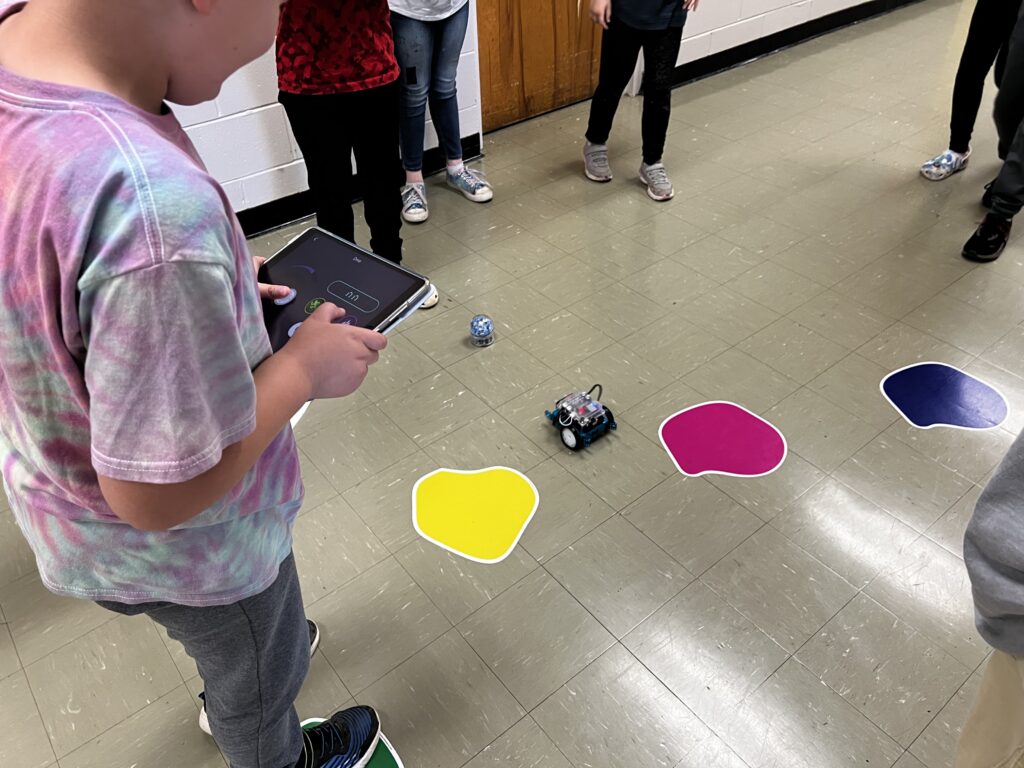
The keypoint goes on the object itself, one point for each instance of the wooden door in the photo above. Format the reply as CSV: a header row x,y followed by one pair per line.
x,y
535,56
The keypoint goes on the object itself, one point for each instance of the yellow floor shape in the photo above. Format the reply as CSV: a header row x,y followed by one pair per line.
x,y
479,514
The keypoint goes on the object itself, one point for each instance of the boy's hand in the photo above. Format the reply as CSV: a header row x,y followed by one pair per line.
x,y
268,291
601,12
334,357
691,5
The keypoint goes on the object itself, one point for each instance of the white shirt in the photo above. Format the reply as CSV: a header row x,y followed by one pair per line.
x,y
427,10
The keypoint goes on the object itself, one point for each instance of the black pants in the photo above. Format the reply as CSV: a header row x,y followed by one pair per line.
x,y
620,46
1008,191
329,129
987,42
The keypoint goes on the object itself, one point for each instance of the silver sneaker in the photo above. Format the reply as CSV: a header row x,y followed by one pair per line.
x,y
471,184
595,162
659,186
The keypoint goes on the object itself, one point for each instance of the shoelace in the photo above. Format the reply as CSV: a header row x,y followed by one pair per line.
x,y
599,158
470,179
657,175
413,198
330,741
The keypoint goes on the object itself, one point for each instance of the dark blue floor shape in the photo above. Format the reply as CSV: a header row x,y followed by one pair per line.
x,y
936,394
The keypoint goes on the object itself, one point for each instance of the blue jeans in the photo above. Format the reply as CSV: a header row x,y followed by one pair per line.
x,y
428,53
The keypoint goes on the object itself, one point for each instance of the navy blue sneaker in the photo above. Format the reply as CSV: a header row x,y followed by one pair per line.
x,y
347,740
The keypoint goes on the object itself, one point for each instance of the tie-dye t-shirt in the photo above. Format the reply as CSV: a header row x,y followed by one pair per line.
x,y
130,323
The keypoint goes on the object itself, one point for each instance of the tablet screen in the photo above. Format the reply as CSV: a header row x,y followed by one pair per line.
x,y
320,268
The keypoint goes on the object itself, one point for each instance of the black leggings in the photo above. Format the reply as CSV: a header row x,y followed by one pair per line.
x,y
987,40
329,130
620,46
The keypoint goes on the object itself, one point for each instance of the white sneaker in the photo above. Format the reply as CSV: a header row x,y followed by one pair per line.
x,y
314,643
432,299
945,165
414,203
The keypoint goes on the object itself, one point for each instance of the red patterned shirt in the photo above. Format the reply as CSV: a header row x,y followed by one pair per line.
x,y
335,46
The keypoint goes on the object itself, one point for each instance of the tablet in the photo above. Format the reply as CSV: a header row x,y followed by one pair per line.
x,y
319,267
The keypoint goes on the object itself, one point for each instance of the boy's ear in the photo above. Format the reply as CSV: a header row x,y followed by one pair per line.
x,y
205,7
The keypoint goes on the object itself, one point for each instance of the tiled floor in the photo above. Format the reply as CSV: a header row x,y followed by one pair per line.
x,y
817,618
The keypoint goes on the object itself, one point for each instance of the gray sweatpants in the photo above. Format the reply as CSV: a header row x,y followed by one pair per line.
x,y
253,656
1008,190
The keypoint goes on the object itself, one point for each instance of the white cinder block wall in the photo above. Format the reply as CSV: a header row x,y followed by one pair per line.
x,y
244,138
722,24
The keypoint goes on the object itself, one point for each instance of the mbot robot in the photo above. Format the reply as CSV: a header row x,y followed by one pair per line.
x,y
580,419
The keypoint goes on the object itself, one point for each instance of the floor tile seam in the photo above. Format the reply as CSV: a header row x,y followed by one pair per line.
x,y
322,427
888,319
590,613
164,640
910,749
528,716
854,452
829,476
695,576
496,595
355,693
494,408
856,590
122,721
38,711
857,710
946,470
373,472
941,644
902,438
62,646
711,729
529,711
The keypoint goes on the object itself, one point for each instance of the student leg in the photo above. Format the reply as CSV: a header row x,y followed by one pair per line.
x,y
253,657
376,146
321,125
1009,107
620,46
661,51
989,31
414,49
1008,189
444,99
1005,198
994,734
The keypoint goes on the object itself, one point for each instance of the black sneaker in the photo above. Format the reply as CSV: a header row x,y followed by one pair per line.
x,y
989,240
314,643
347,740
986,199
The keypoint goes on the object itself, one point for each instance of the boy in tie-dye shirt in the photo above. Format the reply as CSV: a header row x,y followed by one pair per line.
x,y
144,433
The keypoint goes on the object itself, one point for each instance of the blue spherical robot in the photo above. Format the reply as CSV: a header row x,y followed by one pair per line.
x,y
481,331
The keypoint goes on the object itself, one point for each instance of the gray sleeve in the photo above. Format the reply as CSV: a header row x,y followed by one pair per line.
x,y
994,555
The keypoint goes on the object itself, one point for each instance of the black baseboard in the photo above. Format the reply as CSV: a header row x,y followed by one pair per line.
x,y
286,210
743,54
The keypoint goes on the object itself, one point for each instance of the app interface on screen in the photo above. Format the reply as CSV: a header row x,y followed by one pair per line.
x,y
321,269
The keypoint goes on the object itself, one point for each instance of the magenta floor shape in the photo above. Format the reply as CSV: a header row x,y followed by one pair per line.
x,y
722,438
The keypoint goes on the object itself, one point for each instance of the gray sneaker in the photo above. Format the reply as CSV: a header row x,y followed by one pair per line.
x,y
595,162
659,186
